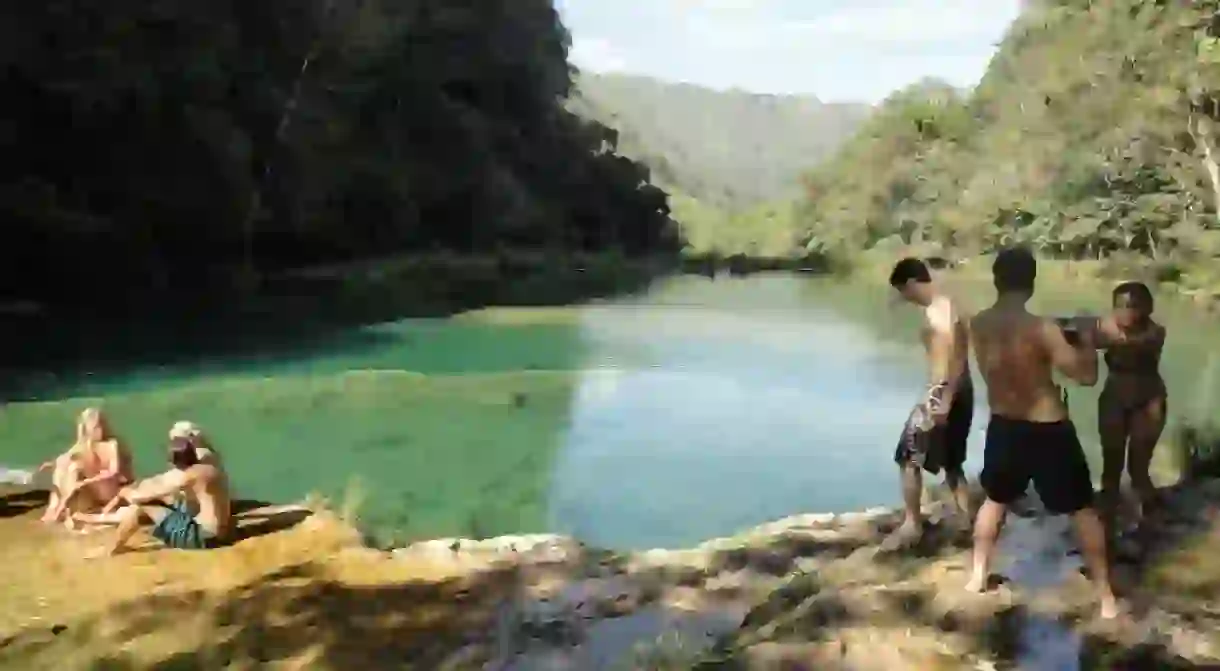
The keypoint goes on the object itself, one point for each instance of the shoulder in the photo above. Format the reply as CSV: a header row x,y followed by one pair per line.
x,y
1046,329
202,472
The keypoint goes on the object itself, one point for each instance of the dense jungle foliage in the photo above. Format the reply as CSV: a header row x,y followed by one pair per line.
x,y
163,144
1092,135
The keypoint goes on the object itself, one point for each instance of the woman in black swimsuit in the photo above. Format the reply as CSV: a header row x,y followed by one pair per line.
x,y
1133,403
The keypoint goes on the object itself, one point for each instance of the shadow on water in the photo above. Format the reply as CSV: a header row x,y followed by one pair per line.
x,y
48,353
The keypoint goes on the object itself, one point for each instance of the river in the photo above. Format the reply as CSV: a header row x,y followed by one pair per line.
x,y
695,410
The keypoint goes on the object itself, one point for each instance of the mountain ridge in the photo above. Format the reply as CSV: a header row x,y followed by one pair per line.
x,y
729,149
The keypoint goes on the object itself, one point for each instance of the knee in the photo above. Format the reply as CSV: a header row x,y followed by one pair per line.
x,y
63,467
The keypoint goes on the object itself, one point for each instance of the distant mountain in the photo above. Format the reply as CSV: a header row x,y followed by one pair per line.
x,y
727,149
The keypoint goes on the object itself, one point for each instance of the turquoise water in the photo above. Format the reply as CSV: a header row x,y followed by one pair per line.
x,y
696,410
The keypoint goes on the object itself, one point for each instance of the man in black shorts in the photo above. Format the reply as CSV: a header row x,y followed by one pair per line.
x,y
1030,437
935,435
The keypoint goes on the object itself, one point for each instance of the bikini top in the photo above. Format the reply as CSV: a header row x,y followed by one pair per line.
x,y
1133,360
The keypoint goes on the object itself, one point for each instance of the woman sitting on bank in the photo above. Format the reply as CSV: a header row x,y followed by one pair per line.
x,y
1131,409
90,473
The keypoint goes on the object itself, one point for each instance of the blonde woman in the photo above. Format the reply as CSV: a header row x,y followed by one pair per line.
x,y
89,473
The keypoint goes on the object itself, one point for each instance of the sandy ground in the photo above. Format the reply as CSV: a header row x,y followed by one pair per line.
x,y
300,591
308,596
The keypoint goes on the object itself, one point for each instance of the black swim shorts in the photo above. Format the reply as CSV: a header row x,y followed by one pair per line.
x,y
1048,454
942,445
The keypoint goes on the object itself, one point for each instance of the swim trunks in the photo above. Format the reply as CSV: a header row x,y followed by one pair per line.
x,y
935,446
179,529
1048,454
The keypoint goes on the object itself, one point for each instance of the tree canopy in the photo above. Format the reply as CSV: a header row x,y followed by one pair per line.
x,y
1091,134
153,142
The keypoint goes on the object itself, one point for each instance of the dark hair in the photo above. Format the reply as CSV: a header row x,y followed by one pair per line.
x,y
182,453
1138,292
1014,269
910,270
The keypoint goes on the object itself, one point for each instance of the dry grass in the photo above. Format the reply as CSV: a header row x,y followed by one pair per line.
x,y
305,597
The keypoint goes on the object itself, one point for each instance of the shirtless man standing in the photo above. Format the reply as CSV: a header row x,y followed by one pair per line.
x,y
204,488
936,433
1030,436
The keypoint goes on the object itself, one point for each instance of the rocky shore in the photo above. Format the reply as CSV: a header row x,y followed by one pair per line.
x,y
809,591
819,591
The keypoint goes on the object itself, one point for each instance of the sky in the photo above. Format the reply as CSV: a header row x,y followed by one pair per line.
x,y
837,50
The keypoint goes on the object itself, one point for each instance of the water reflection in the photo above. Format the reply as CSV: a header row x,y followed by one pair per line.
x,y
727,420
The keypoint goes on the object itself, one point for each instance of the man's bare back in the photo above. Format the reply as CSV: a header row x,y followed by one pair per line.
x,y
208,491
1030,438
1017,352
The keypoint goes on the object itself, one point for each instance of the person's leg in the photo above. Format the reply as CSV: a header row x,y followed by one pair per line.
x,y
912,498
104,518
957,435
987,526
129,520
63,512
1004,479
63,479
83,501
1062,481
1146,426
1112,428
1091,535
911,480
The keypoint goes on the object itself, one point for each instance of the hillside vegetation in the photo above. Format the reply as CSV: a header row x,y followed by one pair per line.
x,y
1090,136
731,159
159,144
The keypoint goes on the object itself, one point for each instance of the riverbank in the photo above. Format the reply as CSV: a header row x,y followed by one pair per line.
x,y
1196,282
303,591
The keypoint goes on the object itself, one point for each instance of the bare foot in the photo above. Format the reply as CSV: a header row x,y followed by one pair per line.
x,y
905,536
977,584
1110,608
98,553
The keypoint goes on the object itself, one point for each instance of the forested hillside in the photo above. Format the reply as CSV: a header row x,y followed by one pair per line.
x,y
726,148
1091,135
731,160
154,145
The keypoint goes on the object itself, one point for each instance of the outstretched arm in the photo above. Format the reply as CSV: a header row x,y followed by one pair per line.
x,y
165,485
110,470
1078,363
